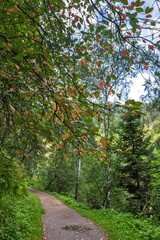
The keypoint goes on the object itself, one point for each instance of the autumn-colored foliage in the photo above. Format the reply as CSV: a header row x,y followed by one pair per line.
x,y
45,49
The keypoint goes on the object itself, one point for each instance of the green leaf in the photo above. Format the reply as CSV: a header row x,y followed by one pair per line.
x,y
134,26
124,2
157,74
137,3
126,58
92,28
108,79
100,28
113,76
148,10
139,10
132,101
108,34
105,22
153,23
133,17
96,94
81,20
90,8
127,69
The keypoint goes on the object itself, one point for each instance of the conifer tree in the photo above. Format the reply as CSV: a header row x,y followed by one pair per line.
x,y
134,158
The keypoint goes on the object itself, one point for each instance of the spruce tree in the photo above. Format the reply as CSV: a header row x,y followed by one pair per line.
x,y
134,163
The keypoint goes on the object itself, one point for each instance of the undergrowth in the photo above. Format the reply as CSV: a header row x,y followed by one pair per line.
x,y
21,218
119,226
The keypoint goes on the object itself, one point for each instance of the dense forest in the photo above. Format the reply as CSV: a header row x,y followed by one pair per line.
x,y
128,180
67,122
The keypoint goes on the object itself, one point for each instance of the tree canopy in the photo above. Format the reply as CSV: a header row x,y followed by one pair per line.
x,y
46,47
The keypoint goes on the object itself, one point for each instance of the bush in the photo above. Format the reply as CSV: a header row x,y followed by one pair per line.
x,y
11,178
20,217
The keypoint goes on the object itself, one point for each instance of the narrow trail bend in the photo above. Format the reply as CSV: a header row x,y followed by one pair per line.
x,y
61,222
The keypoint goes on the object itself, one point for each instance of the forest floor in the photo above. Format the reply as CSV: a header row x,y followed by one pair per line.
x,y
61,222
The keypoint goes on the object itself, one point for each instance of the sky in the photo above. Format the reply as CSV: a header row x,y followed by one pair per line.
x,y
137,88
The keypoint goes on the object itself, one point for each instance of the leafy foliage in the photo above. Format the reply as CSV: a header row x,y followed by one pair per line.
x,y
43,97
20,218
11,178
55,84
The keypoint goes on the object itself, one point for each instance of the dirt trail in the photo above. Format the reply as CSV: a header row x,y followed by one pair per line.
x,y
61,222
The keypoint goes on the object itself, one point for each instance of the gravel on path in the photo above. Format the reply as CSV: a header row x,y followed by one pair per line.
x,y
61,222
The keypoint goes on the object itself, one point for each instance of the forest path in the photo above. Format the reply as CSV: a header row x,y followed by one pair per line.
x,y
61,222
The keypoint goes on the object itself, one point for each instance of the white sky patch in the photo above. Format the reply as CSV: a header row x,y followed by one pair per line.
x,y
137,88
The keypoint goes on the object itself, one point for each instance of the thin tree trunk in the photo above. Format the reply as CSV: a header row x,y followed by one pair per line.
x,y
78,176
106,131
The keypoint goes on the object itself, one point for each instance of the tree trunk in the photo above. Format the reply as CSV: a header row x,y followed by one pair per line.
x,y
78,176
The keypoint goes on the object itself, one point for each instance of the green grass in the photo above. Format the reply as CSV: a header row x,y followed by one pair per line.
x,y
119,226
21,218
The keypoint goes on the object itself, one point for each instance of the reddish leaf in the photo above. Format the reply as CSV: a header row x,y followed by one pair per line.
x,y
65,155
108,85
12,90
16,6
141,3
150,47
134,113
76,18
88,22
101,85
123,16
104,155
109,106
98,36
65,136
101,148
74,150
103,140
73,71
127,150
9,44
132,59
67,53
84,61
149,16
127,113
145,67
97,63
132,4
13,109
124,53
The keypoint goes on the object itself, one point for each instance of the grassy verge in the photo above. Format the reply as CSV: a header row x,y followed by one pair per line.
x,y
21,218
118,226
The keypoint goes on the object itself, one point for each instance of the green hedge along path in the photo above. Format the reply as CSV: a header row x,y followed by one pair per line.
x,y
61,222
